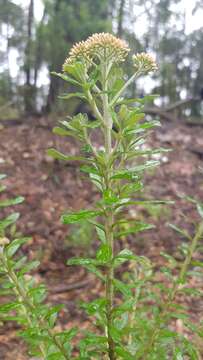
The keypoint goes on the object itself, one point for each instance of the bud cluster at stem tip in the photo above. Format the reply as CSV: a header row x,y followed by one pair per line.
x,y
98,46
4,241
144,62
106,47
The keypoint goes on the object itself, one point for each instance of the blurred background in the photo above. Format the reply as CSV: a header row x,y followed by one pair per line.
x,y
35,38
36,35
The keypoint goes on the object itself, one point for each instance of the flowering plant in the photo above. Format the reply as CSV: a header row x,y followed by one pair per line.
x,y
134,318
128,330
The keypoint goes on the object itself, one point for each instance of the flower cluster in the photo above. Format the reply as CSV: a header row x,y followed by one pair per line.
x,y
144,62
98,46
104,46
79,52
4,241
107,46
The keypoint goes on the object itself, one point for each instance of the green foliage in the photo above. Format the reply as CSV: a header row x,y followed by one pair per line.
x,y
134,318
136,314
26,305
158,212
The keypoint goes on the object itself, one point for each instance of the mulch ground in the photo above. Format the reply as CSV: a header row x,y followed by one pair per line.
x,y
51,187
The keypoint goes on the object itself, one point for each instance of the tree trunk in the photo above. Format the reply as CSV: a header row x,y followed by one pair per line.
x,y
29,93
120,18
54,82
39,46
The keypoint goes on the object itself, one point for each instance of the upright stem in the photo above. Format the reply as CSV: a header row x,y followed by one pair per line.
x,y
180,280
29,308
125,86
110,216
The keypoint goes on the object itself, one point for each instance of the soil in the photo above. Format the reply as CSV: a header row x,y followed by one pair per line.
x,y
51,187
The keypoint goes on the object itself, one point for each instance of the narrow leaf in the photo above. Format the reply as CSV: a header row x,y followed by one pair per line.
x,y
74,217
59,156
17,200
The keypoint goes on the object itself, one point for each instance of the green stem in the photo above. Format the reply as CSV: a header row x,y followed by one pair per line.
x,y
119,93
180,280
94,107
29,307
191,250
109,221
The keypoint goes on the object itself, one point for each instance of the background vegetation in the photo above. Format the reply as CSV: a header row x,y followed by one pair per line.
x,y
32,45
40,43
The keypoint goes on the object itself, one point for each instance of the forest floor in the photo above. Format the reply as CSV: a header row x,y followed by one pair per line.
x,y
51,187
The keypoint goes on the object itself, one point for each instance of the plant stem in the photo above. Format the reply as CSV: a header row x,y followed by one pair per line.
x,y
119,93
191,250
109,220
30,308
180,280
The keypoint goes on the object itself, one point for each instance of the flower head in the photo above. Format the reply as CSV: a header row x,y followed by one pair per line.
x,y
4,241
79,52
107,46
98,46
144,62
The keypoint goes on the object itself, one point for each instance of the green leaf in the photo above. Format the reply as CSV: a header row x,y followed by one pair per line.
x,y
147,165
66,78
153,202
93,124
101,234
109,197
123,288
76,70
179,315
104,254
71,95
172,261
126,306
19,263
141,127
28,267
89,170
139,226
150,151
93,340
124,354
67,335
4,308
60,131
123,255
200,209
124,174
12,248
134,117
89,264
95,306
17,200
38,293
182,232
93,269
51,315
148,98
59,156
116,334
9,220
145,99
178,354
55,356
74,217
81,261
130,173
